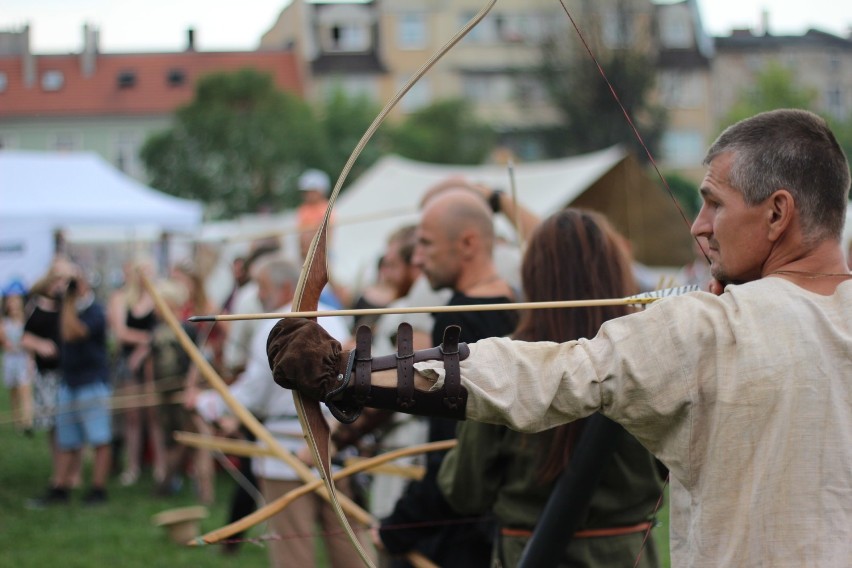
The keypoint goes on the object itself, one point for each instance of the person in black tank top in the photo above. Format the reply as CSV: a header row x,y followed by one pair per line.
x,y
455,240
42,339
132,320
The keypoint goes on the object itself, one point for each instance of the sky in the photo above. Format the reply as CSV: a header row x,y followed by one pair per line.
x,y
160,25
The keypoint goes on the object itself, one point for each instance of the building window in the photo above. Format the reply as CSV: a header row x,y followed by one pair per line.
x,y
515,28
491,88
127,153
348,38
506,28
684,148
481,33
176,77
834,102
681,89
476,87
66,142
52,80
617,28
126,80
4,81
834,63
411,30
676,31
418,97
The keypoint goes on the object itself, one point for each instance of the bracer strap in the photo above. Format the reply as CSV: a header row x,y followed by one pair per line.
x,y
357,391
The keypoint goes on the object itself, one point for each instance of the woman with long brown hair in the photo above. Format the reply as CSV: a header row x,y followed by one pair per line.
x,y
572,255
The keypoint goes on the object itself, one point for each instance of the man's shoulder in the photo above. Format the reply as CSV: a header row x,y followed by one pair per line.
x,y
735,302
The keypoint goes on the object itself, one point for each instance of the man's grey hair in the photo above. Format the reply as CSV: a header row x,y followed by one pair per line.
x,y
280,269
794,150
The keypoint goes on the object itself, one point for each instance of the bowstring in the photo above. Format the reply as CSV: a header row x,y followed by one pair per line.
x,y
632,125
677,205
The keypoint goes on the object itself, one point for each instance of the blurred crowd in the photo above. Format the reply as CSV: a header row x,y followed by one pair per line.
x,y
114,377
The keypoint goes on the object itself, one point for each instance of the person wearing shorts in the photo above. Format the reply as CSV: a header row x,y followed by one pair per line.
x,y
83,416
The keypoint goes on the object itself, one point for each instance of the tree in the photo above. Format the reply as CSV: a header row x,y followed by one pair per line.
x,y
344,119
774,87
238,146
445,132
591,120
686,193
843,131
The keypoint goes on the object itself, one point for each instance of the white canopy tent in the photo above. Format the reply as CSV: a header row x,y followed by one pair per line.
x,y
386,197
45,192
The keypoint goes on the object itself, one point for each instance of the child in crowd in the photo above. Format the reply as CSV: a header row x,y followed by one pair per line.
x,y
17,363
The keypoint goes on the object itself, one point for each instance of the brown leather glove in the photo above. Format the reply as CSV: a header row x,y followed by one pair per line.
x,y
304,357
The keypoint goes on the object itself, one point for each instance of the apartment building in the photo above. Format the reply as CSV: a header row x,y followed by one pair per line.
x,y
819,61
374,48
109,103
685,87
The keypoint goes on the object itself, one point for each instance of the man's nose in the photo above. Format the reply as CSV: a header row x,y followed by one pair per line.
x,y
701,227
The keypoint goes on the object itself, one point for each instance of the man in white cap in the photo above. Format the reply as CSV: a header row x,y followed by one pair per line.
x,y
314,186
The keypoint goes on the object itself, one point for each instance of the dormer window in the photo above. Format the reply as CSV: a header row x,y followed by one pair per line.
x,y
126,80
52,80
346,28
176,77
349,38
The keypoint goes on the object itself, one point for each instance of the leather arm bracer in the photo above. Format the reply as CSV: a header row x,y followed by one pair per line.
x,y
356,390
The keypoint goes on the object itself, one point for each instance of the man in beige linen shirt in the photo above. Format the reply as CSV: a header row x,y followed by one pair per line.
x,y
745,393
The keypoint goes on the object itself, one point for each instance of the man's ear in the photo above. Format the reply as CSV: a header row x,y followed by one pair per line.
x,y
781,211
468,241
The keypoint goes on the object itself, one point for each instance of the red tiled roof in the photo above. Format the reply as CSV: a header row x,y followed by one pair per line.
x,y
151,93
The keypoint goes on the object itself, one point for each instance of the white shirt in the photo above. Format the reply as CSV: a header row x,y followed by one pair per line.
x,y
256,390
238,341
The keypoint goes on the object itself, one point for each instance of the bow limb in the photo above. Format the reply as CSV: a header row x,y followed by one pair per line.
x,y
316,431
315,275
247,418
244,448
282,502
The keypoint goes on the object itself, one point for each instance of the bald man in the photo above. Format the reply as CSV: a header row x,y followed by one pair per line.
x,y
454,249
455,242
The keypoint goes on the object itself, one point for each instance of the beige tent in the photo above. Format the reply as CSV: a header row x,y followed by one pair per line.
x,y
610,181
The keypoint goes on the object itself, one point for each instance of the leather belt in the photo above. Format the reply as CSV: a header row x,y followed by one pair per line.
x,y
586,533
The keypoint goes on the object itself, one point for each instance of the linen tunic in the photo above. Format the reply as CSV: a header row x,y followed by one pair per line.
x,y
746,397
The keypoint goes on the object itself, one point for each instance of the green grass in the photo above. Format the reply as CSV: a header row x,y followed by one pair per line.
x,y
119,533
661,532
